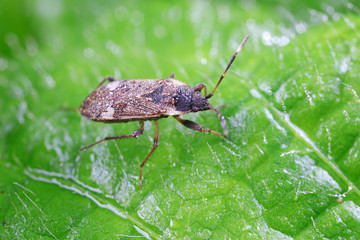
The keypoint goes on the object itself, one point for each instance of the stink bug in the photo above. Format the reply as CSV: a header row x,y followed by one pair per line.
x,y
150,99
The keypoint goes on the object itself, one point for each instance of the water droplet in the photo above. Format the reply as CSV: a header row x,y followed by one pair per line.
x,y
11,39
31,46
175,13
113,47
300,28
50,81
160,31
121,13
49,9
21,112
137,18
88,52
266,38
346,114
344,65
3,64
223,14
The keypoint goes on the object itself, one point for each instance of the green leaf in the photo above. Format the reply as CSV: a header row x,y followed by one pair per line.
x,y
290,169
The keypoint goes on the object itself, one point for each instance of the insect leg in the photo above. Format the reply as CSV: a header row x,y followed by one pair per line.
x,y
199,87
155,145
194,126
222,122
107,78
135,134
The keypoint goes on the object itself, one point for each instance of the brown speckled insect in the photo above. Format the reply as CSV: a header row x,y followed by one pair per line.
x,y
150,99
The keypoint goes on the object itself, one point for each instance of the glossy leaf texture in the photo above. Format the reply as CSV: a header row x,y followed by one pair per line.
x,y
289,170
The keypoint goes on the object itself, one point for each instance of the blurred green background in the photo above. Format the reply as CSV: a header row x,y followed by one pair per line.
x,y
290,169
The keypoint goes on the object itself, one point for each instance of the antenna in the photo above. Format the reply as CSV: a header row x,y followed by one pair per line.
x,y
228,66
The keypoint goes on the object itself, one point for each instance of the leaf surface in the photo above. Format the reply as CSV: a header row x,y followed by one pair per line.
x,y
290,169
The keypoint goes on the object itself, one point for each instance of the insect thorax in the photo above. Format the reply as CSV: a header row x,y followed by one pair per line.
x,y
186,99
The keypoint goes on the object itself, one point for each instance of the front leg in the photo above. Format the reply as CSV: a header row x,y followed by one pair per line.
x,y
107,78
199,87
194,126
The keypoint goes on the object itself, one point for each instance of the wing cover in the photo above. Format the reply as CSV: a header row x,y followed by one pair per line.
x,y
130,100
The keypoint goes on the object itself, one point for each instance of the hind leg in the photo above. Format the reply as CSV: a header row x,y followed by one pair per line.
x,y
155,145
135,134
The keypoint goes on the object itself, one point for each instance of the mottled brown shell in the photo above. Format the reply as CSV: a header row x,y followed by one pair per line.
x,y
131,100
